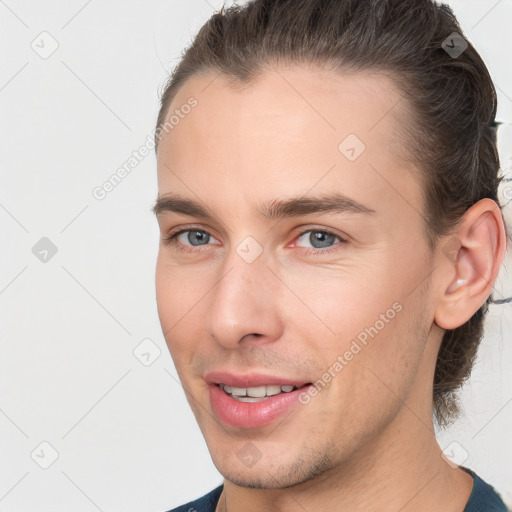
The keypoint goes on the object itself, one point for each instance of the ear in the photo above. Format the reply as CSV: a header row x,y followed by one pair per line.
x,y
470,259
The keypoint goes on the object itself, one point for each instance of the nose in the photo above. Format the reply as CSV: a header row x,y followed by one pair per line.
x,y
243,304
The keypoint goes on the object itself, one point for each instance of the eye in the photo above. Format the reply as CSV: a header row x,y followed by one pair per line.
x,y
319,240
194,237
186,238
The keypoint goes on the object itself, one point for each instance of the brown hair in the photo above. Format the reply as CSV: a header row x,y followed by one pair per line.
x,y
451,97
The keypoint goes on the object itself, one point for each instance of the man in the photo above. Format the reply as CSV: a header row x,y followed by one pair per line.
x,y
331,235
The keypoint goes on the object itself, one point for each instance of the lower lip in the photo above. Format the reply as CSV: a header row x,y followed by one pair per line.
x,y
252,414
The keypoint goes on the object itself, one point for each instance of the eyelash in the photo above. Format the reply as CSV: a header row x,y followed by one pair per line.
x,y
171,239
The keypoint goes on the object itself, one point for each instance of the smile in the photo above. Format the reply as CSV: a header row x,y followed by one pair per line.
x,y
257,393
253,400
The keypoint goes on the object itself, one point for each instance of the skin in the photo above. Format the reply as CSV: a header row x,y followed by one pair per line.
x,y
366,441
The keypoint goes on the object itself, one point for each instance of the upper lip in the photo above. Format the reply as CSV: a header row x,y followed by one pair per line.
x,y
250,380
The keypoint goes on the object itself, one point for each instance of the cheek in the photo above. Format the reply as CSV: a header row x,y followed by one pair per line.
x,y
178,295
165,287
357,319
382,354
338,302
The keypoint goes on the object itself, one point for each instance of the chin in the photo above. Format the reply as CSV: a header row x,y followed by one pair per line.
x,y
274,474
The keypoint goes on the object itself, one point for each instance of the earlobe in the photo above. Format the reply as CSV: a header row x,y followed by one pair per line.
x,y
471,260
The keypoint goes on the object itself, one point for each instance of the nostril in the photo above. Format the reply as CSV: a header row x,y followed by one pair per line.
x,y
253,334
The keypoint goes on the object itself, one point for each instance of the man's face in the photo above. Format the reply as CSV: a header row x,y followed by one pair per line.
x,y
337,297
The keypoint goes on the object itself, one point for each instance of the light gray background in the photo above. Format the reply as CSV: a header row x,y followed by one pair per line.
x,y
124,435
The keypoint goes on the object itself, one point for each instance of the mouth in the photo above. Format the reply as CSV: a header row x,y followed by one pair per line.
x,y
257,393
252,401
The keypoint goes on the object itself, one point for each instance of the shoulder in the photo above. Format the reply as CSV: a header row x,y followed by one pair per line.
x,y
483,497
207,503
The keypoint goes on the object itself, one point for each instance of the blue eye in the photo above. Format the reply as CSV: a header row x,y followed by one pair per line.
x,y
320,239
194,237
197,236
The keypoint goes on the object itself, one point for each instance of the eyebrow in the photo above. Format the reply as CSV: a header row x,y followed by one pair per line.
x,y
275,209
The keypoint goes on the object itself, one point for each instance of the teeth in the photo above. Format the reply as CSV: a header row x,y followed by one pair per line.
x,y
273,390
238,391
256,391
248,399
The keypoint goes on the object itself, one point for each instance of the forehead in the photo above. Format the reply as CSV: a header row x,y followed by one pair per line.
x,y
287,129
326,101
